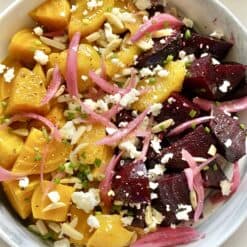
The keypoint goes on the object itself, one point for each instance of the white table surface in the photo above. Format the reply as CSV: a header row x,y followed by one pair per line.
x,y
239,8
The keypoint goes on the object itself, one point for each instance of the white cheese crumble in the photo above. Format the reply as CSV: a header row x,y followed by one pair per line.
x,y
225,187
145,72
155,109
84,77
155,144
110,131
86,201
212,150
153,186
41,57
153,217
157,171
143,4
183,213
215,61
165,159
217,34
108,33
24,182
171,100
2,68
127,221
130,98
122,124
93,222
68,130
225,86
9,75
93,4
153,196
146,43
123,15
54,196
228,143
130,149
38,31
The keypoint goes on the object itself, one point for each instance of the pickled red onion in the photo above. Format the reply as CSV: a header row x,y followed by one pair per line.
x,y
6,175
71,66
145,147
156,23
235,182
204,104
54,85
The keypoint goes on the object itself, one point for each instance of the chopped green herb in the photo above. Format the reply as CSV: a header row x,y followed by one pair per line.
x,y
152,80
215,167
49,236
97,162
192,113
46,135
130,213
38,156
98,213
217,103
205,168
207,130
4,104
109,9
193,126
116,208
61,168
57,180
70,115
188,74
169,59
187,34
242,126
120,83
83,115
188,64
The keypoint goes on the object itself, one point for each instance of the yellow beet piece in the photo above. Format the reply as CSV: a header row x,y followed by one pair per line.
x,y
39,202
38,70
86,20
19,198
5,88
30,158
24,44
125,58
54,59
53,14
82,225
111,233
87,59
91,152
27,93
126,5
10,146
162,88
56,115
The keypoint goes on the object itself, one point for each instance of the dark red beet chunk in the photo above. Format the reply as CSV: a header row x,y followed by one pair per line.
x,y
196,142
214,173
179,108
172,191
124,116
199,44
230,136
132,187
208,80
159,53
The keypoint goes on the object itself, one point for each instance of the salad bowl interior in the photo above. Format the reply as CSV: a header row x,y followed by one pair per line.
x,y
208,16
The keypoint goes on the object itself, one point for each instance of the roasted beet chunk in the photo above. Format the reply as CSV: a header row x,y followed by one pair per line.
x,y
179,108
124,116
230,136
172,192
213,81
213,174
162,48
131,184
197,143
199,44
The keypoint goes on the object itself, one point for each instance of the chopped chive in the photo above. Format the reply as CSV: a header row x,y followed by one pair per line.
x,y
192,113
152,80
207,130
97,162
242,126
193,126
217,103
169,59
187,34
61,168
57,180
70,115
215,167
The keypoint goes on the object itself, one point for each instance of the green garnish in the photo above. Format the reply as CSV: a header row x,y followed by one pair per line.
x,y
207,130
97,162
57,180
169,59
152,80
242,126
38,156
187,34
192,113
215,167
193,126
70,115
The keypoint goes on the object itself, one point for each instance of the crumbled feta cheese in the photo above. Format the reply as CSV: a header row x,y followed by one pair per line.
x,y
24,182
41,57
162,41
155,144
112,99
165,159
111,193
102,105
93,222
205,54
84,77
225,86
9,75
123,15
122,124
38,31
127,221
62,243
217,34
183,213
145,72
68,130
228,143
215,61
146,43
153,186
143,4
86,201
171,100
163,73
93,4
110,131
90,103
130,149
212,150
155,109
173,226
108,33
2,68
157,171
140,173
189,58
188,22
73,8
54,196
182,54
153,196
130,98
225,186
153,217
168,208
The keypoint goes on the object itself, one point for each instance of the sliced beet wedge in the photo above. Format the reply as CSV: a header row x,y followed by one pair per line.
x,y
214,174
124,116
131,184
178,108
199,44
162,48
172,191
197,143
230,136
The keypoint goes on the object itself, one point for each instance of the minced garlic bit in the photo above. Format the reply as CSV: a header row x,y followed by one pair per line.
x,y
9,75
225,186
24,182
93,222
41,227
41,57
153,186
212,150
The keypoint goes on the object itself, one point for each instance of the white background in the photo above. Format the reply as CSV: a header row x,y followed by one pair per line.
x,y
239,7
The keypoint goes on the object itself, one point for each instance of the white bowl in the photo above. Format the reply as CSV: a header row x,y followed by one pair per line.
x,y
209,15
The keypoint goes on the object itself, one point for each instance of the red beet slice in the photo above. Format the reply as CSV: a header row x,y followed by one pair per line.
x,y
199,44
131,184
160,51
124,116
214,174
179,108
172,191
197,143
230,136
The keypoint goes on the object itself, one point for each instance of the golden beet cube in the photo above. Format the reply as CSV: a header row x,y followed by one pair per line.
x,y
30,159
56,115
